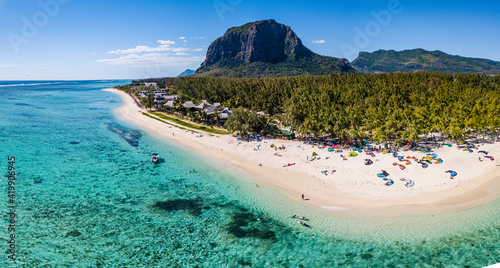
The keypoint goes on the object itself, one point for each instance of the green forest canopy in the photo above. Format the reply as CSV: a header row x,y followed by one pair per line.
x,y
385,107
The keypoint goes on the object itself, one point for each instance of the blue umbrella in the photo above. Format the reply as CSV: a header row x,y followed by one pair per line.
x,y
452,173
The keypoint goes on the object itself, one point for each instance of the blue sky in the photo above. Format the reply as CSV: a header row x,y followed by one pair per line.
x,y
127,39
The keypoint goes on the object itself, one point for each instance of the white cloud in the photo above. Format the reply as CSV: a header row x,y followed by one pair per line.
x,y
166,42
141,49
165,54
198,37
164,46
182,37
153,60
319,41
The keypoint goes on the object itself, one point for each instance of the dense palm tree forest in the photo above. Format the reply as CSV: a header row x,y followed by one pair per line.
x,y
397,107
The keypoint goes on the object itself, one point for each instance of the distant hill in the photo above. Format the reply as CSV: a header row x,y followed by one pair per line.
x,y
415,60
265,48
187,72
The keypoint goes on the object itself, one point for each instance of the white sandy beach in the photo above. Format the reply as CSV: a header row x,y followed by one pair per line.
x,y
353,187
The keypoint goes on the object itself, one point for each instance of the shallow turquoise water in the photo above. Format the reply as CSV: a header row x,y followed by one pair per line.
x,y
88,196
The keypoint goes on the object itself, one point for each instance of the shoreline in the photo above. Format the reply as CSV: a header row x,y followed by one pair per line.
x,y
351,190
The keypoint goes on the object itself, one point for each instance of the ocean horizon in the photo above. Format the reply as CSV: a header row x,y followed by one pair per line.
x,y
87,195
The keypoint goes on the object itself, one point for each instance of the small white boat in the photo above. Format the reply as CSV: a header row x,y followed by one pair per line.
x,y
154,158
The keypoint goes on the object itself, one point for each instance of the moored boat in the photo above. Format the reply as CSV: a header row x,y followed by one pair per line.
x,y
154,158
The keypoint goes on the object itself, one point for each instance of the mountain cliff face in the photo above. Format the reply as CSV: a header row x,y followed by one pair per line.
x,y
265,48
416,60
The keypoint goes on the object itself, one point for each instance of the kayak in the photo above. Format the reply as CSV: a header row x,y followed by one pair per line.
x,y
389,182
383,174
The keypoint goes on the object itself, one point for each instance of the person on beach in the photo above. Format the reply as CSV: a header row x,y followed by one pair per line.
x,y
302,196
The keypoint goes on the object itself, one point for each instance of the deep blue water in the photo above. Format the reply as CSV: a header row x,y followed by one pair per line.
x,y
87,195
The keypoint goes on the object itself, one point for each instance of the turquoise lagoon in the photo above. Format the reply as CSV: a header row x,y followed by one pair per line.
x,y
87,195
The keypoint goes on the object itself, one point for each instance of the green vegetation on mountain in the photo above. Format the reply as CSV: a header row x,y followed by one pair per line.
x,y
232,68
415,60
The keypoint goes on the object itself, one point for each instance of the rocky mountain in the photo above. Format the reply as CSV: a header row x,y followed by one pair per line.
x,y
415,60
265,48
187,72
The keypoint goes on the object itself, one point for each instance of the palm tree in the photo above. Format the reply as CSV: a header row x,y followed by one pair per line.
x,y
149,101
178,106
